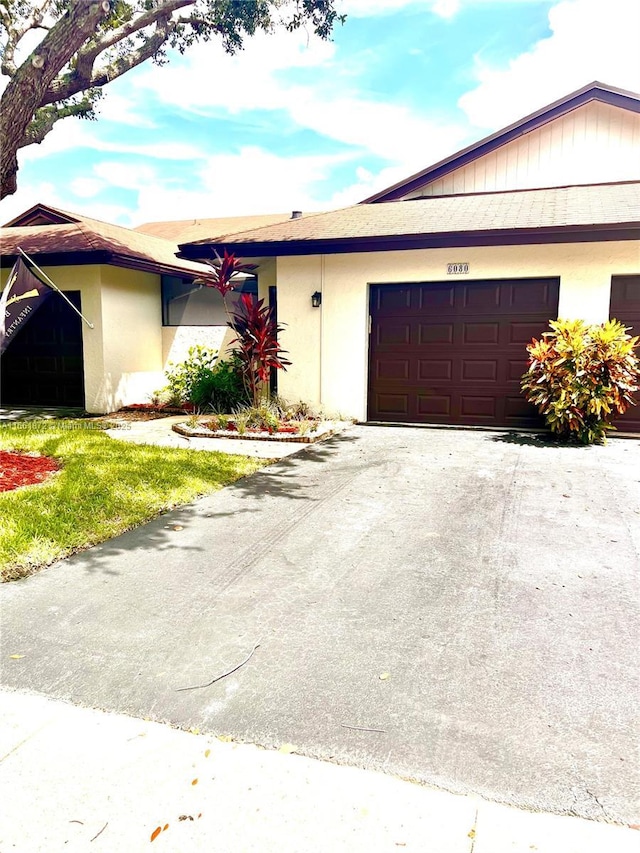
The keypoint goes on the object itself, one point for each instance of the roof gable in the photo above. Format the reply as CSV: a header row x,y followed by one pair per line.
x,y
56,237
592,92
41,214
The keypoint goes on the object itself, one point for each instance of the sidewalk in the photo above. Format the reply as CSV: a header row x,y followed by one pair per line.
x,y
75,779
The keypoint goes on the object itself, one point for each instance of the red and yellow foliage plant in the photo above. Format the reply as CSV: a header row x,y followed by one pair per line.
x,y
581,376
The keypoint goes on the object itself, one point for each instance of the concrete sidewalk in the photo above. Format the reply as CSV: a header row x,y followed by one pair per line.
x,y
76,779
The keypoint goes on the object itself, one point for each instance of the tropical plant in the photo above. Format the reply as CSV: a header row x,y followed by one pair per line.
x,y
223,273
224,390
581,376
206,381
185,380
256,344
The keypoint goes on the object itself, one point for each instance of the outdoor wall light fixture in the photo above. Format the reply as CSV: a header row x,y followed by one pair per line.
x,y
316,299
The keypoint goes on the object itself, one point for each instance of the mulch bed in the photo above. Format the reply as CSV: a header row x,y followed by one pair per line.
x,y
24,469
144,412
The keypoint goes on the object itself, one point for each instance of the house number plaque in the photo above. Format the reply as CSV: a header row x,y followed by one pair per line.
x,y
457,269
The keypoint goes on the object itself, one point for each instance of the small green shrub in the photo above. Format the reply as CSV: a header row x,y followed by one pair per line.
x,y
218,422
227,391
580,377
206,381
186,380
263,417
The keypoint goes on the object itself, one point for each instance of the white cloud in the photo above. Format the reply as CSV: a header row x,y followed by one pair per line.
x,y
119,109
442,8
590,40
73,134
446,8
335,111
86,187
27,196
251,181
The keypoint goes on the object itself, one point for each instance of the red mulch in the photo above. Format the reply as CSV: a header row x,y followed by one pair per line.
x,y
23,469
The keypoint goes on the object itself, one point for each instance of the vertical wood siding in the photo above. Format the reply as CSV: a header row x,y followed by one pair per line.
x,y
596,143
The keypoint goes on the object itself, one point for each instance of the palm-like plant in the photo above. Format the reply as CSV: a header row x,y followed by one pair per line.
x,y
256,343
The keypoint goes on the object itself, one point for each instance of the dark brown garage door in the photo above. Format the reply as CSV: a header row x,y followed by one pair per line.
x,y
42,366
454,352
625,306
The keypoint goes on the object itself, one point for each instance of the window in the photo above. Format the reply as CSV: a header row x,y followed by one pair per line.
x,y
188,304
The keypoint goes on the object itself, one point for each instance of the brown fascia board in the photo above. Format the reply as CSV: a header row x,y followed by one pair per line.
x,y
63,259
511,237
593,92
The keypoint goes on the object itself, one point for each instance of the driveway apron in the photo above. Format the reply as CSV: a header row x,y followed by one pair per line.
x,y
453,606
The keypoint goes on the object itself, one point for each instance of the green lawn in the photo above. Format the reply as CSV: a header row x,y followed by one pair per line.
x,y
105,486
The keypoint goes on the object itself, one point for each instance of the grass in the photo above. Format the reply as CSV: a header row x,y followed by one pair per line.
x,y
105,487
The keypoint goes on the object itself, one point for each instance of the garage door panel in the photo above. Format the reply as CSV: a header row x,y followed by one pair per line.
x,y
393,333
477,407
516,409
481,298
515,368
476,370
466,351
440,298
390,300
393,404
432,369
393,368
520,333
435,333
481,333
538,296
437,406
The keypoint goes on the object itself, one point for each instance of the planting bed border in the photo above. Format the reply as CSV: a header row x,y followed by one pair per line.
x,y
324,430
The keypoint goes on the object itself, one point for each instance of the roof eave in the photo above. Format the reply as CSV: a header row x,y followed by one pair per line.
x,y
59,259
453,239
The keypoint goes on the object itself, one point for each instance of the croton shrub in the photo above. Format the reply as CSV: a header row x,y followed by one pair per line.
x,y
581,376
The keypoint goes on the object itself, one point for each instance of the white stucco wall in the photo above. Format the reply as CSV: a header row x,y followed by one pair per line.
x,y
596,143
176,341
329,346
132,339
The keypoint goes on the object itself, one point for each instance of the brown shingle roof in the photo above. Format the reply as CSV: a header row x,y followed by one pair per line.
x,y
189,230
90,240
582,206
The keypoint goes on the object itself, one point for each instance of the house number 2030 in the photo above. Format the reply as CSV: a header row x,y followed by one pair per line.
x,y
457,269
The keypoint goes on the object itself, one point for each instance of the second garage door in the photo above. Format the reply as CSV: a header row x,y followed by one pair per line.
x,y
454,352
625,306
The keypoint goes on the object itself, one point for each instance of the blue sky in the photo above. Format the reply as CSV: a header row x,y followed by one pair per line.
x,y
294,123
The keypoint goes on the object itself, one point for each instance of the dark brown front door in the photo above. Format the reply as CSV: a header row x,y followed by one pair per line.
x,y
625,306
454,352
42,366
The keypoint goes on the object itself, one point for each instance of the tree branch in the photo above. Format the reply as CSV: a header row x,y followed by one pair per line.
x,y
45,118
83,77
23,95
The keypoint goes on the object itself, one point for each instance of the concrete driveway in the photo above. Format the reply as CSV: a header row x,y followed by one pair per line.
x,y
469,599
